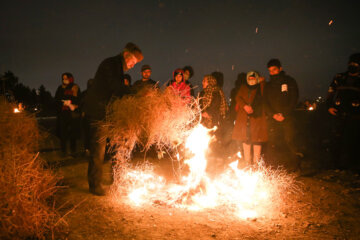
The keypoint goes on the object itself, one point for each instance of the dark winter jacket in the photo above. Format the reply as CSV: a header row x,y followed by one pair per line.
x,y
281,94
70,92
108,83
344,94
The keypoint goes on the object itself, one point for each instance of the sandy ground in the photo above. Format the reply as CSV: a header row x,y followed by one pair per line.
x,y
328,208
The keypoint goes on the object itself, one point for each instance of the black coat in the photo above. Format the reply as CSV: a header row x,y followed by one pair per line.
x,y
108,83
281,95
344,95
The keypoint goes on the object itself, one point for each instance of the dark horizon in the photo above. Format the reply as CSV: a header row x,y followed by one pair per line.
x,y
42,39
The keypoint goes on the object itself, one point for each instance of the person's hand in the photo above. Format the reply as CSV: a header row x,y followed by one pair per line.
x,y
248,109
72,107
333,111
205,115
66,102
279,117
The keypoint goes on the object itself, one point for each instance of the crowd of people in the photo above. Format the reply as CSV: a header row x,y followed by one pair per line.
x,y
258,109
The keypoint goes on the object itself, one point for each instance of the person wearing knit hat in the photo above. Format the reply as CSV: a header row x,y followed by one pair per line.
x,y
343,102
67,99
145,81
250,125
108,83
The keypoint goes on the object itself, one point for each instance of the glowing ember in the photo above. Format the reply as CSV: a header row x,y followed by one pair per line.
x,y
243,193
16,110
331,22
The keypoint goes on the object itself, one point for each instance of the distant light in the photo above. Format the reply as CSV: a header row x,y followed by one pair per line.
x,y
331,22
311,108
233,67
256,30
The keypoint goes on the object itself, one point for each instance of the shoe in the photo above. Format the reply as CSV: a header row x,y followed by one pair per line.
x,y
99,191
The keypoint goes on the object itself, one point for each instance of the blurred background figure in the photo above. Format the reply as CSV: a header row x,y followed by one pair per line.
x,y
343,102
67,99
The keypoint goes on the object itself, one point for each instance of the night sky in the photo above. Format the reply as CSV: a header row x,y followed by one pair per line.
x,y
39,40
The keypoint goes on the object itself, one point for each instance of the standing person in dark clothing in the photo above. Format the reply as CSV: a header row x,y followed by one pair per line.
x,y
281,97
212,102
108,83
343,102
67,99
189,73
250,126
145,81
219,76
230,144
241,79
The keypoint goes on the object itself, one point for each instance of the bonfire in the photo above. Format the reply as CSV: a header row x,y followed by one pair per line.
x,y
161,118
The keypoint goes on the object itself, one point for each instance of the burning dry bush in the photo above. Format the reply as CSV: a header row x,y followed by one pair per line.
x,y
25,186
160,118
152,117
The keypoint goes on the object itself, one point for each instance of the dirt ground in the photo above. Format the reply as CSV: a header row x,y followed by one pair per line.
x,y
327,208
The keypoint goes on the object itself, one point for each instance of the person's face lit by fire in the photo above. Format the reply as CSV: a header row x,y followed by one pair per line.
x,y
130,60
186,75
252,80
65,80
274,70
178,78
205,82
146,74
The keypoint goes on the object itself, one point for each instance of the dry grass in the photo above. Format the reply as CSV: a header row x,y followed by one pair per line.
x,y
156,118
26,188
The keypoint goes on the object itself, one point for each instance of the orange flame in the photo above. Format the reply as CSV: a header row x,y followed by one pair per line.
x,y
245,192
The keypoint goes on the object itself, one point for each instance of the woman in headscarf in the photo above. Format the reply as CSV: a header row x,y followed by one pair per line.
x,y
213,103
67,98
250,126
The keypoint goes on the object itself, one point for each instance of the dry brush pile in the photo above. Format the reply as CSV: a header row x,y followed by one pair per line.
x,y
153,117
26,188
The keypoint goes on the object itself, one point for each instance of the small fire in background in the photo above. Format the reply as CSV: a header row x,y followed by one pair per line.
x,y
331,22
19,108
245,193
256,30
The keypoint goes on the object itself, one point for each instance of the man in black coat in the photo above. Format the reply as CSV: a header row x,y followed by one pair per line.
x,y
108,83
343,103
281,96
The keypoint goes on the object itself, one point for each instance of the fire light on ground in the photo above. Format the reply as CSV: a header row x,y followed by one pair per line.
x,y
245,193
